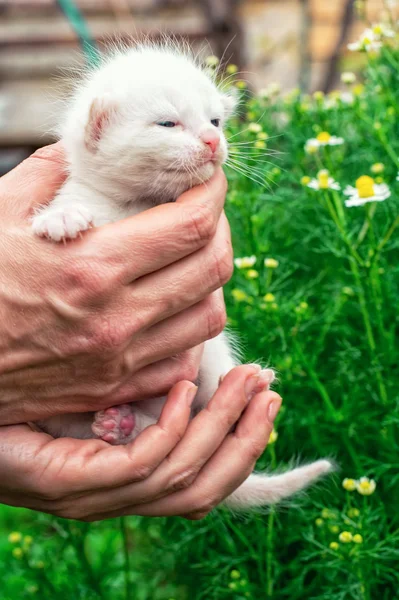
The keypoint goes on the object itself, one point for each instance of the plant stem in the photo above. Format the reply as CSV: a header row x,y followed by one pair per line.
x,y
127,567
318,385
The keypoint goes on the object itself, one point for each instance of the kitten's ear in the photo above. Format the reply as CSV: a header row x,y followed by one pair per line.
x,y
100,115
230,102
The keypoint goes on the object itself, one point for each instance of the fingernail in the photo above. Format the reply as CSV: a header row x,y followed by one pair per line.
x,y
191,393
250,386
273,409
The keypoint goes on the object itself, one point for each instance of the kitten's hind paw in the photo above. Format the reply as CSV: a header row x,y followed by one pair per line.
x,y
62,223
115,425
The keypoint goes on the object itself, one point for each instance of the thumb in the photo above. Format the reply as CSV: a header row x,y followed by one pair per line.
x,y
34,182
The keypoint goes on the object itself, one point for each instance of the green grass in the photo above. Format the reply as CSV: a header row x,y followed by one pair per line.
x,y
327,318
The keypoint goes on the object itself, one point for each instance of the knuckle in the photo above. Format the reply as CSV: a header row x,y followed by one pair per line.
x,y
142,472
189,367
202,225
253,450
88,280
106,334
182,480
222,264
216,317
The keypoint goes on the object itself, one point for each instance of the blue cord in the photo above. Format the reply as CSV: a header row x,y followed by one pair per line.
x,y
79,25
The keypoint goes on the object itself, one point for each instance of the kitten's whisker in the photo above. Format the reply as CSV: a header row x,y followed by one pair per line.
x,y
256,178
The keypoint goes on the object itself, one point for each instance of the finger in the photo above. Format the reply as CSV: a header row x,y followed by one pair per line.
x,y
204,435
186,282
53,469
189,328
158,378
231,464
164,234
35,181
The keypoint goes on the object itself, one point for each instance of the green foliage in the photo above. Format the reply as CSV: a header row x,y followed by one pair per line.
x,y
324,312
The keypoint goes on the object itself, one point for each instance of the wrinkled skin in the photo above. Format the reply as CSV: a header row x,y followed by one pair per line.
x,y
100,321
82,325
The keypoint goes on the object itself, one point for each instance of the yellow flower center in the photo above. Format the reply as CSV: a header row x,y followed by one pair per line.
x,y
323,137
377,29
365,186
322,178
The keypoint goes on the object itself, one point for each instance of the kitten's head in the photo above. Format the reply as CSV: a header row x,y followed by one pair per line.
x,y
152,120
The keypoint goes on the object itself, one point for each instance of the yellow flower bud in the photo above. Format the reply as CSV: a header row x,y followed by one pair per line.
x,y
254,127
17,553
262,135
305,180
15,537
234,574
334,546
212,61
269,297
357,538
345,537
349,484
239,295
273,437
271,263
319,522
377,168
231,69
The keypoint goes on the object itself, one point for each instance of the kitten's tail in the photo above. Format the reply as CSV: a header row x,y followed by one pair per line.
x,y
260,490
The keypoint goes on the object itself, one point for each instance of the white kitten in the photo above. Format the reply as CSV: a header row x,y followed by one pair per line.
x,y
142,129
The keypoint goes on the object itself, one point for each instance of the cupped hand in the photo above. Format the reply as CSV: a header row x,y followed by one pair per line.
x,y
176,467
113,316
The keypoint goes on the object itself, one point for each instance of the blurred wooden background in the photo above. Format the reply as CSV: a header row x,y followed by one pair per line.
x,y
294,42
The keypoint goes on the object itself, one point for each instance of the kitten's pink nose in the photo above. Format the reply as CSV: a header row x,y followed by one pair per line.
x,y
211,139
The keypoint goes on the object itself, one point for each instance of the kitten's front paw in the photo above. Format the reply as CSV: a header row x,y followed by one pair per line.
x,y
115,425
62,223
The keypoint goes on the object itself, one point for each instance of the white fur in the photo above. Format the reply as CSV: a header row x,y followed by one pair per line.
x,y
121,162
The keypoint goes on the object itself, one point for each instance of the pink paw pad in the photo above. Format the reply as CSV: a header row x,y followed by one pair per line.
x,y
114,425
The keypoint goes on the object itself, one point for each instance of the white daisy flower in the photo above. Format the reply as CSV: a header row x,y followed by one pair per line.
x,y
347,98
348,77
246,262
324,182
322,139
311,146
368,42
381,30
366,486
366,190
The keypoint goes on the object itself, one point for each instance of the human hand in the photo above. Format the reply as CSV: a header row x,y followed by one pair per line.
x,y
176,467
111,317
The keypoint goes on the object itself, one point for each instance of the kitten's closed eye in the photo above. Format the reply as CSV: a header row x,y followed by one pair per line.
x,y
166,124
215,122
